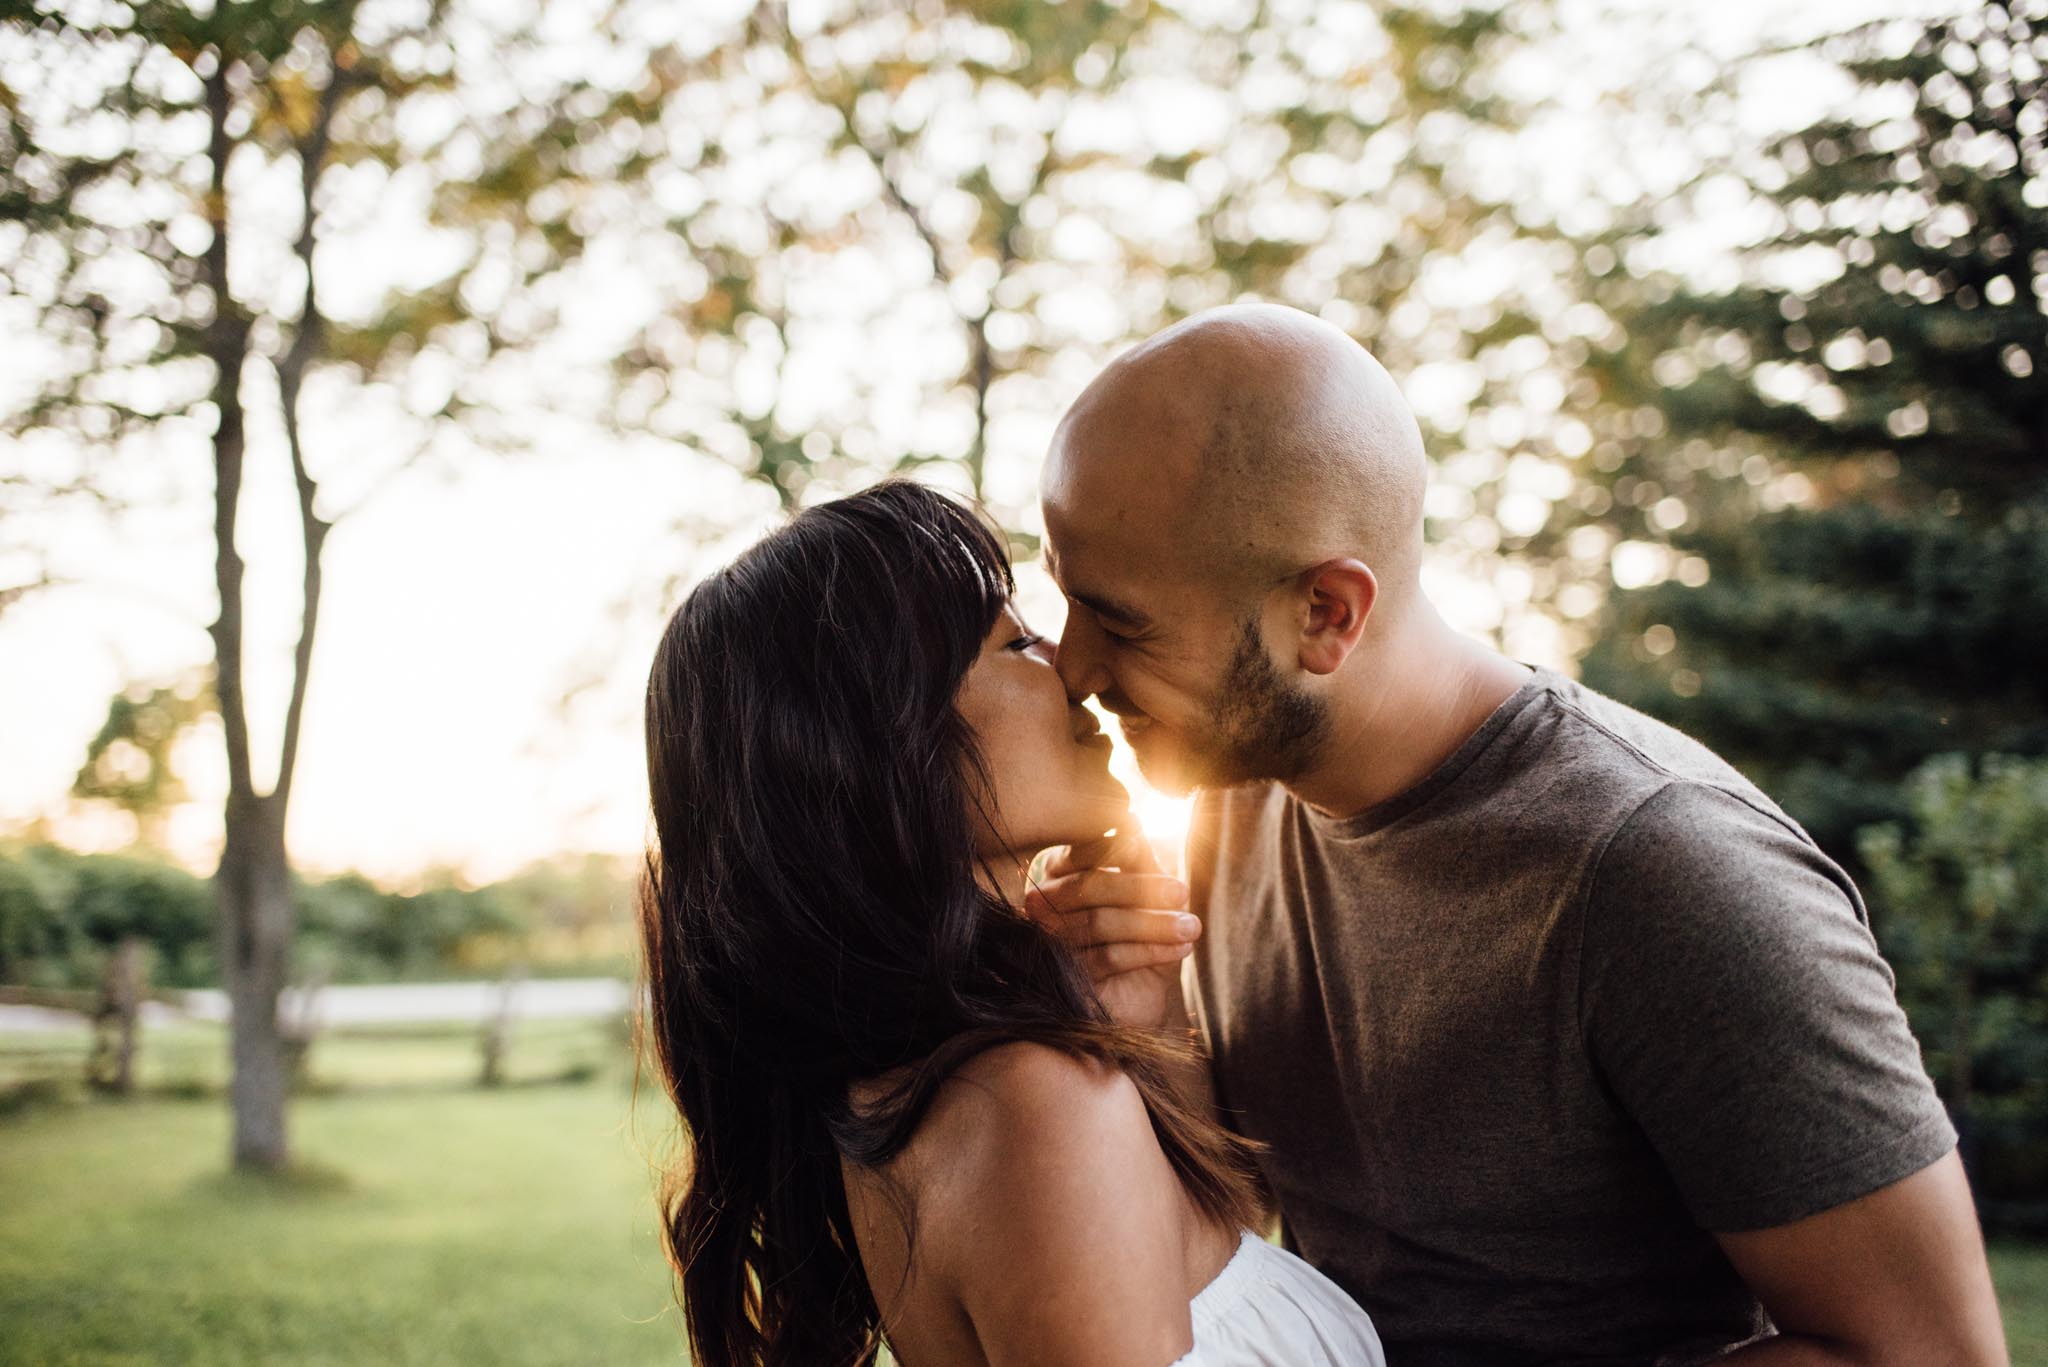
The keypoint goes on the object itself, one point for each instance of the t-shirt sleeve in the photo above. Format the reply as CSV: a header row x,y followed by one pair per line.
x,y
1735,1003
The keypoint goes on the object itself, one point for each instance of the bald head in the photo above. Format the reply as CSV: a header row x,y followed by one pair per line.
x,y
1242,445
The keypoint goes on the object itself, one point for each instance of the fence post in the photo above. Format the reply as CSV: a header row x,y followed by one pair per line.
x,y
497,1032
303,1026
111,1065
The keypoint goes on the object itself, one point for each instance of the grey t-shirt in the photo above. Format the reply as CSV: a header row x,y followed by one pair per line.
x,y
1522,1035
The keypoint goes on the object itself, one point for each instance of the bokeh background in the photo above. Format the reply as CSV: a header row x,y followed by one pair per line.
x,y
484,329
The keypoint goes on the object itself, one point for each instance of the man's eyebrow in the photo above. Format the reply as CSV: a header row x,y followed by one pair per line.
x,y
1110,608
1095,603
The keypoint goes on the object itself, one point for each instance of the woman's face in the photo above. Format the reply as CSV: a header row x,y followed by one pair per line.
x,y
1047,759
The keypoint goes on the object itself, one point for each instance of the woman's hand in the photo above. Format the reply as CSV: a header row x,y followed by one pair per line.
x,y
1125,920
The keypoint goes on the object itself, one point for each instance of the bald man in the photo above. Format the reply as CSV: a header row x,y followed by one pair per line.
x,y
1568,1045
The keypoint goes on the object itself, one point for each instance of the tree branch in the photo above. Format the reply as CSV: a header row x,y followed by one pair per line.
x,y
291,374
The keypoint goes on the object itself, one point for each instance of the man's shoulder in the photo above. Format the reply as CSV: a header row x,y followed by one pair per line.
x,y
1611,728
1666,778
1571,769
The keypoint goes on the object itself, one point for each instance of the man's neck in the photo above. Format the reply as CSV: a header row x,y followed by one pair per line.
x,y
1427,691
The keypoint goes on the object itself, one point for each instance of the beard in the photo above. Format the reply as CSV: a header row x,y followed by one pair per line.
x,y
1260,727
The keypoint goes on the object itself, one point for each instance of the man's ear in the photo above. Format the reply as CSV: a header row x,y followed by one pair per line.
x,y
1339,597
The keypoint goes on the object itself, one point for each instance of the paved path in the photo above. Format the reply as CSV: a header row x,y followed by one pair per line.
x,y
382,1003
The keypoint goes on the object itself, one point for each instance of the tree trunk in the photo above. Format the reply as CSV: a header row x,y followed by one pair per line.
x,y
253,885
253,888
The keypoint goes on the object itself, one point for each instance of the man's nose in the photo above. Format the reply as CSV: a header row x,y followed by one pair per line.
x,y
1079,657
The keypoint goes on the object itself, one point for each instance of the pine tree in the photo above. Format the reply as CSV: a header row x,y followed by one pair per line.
x,y
1858,437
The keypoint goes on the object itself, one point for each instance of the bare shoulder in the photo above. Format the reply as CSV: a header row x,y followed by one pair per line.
x,y
1023,1118
1025,1080
1051,1212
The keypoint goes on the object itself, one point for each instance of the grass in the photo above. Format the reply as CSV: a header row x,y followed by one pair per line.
x,y
427,1221
2021,1271
508,1227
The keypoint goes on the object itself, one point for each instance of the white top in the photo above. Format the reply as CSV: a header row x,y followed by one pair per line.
x,y
1268,1308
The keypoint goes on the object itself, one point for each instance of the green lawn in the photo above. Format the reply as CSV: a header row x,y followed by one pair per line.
x,y
2021,1271
440,1225
510,1226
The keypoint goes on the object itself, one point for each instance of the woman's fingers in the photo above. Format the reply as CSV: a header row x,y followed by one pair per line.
x,y
1107,961
1120,925
1116,921
1092,888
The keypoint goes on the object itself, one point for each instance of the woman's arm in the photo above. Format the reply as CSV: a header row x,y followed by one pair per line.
x,y
1058,1224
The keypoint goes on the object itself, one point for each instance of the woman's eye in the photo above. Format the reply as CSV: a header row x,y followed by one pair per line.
x,y
1026,642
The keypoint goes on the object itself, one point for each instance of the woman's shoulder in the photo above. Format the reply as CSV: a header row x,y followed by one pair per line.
x,y
1038,1182
1024,1079
1020,1116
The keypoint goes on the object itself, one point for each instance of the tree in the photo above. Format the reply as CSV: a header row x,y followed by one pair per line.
x,y
1852,439
1965,899
128,764
175,183
878,237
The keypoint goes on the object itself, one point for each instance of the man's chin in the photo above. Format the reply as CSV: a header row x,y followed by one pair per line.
x,y
1175,770
1164,766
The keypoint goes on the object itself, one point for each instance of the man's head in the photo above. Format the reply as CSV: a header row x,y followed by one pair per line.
x,y
1232,508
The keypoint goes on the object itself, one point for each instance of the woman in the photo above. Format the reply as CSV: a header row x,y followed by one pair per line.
x,y
908,1113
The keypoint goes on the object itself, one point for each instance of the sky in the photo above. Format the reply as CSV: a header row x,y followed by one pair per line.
x,y
466,598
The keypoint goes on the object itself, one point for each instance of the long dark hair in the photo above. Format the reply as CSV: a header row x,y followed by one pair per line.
x,y
810,914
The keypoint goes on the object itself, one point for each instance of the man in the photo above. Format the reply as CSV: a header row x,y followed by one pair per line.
x,y
1568,1044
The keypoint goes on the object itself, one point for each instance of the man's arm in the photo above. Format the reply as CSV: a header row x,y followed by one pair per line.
x,y
1895,1277
1737,1007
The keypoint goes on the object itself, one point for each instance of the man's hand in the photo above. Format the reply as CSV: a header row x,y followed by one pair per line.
x,y
1111,904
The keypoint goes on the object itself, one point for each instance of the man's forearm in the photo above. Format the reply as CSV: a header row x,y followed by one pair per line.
x,y
1894,1278
1798,1350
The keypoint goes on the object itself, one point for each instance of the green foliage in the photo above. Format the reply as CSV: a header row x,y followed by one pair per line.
x,y
1832,651
62,912
1854,436
1962,902
357,931
946,210
129,762
140,280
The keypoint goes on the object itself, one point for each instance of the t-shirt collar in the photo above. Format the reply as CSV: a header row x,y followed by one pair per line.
x,y
1386,812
